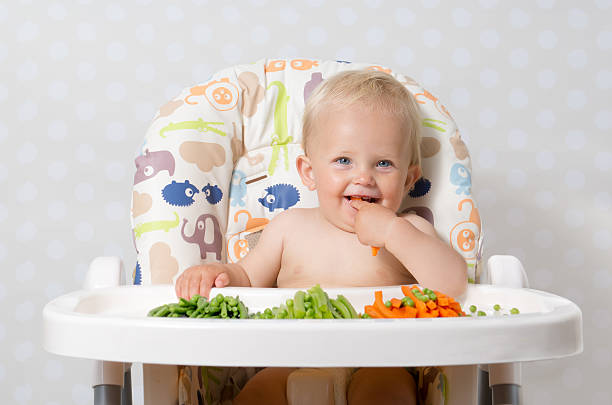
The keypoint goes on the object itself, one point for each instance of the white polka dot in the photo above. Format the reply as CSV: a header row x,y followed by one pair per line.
x,y
56,210
462,18
489,78
23,393
460,97
604,4
603,120
602,239
347,53
487,158
260,35
488,117
26,232
146,33
231,14
545,159
27,71
114,12
26,192
547,39
56,249
116,51
232,53
174,13
175,52
603,200
577,59
519,58
59,50
403,56
489,39
288,16
572,377
24,311
462,57
23,351
55,289
54,370
574,218
487,198
547,78
317,36
517,139
546,119
519,18
432,38
516,178
86,71
346,16
544,199
602,279
375,36
28,31
84,231
27,111
404,17
603,79
574,179
577,18
115,171
57,90
57,11
86,31
518,98
25,272
574,257
604,40
116,211
543,238
116,91
85,110
576,99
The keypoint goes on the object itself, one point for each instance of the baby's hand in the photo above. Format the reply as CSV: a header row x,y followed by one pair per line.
x,y
200,279
372,222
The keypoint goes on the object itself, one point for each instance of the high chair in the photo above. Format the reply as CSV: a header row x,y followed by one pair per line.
x,y
217,164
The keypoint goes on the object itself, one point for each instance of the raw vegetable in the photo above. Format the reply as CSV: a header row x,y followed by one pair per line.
x,y
199,307
416,303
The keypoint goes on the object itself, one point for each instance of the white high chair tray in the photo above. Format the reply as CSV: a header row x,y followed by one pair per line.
x,y
111,324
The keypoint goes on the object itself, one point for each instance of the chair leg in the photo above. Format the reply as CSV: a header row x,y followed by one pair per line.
x,y
484,391
108,380
126,391
505,383
160,384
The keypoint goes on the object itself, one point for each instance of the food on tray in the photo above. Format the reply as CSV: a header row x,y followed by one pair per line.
x,y
224,307
311,304
416,303
497,310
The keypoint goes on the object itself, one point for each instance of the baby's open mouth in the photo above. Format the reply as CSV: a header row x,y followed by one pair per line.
x,y
362,198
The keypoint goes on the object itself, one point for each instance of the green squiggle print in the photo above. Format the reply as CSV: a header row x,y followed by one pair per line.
x,y
199,124
156,226
281,137
428,122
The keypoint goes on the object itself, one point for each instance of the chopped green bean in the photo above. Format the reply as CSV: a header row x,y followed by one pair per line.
x,y
481,313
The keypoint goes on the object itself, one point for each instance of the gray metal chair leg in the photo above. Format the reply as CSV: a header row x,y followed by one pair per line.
x,y
106,394
484,391
506,394
126,391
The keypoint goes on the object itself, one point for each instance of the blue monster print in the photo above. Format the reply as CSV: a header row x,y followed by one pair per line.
x,y
238,188
460,176
280,196
213,193
420,188
137,275
179,194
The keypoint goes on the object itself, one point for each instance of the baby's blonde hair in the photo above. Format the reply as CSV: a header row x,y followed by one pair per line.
x,y
372,89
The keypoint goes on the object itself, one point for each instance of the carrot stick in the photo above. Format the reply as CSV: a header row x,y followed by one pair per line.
x,y
380,305
370,310
417,302
431,305
443,301
396,303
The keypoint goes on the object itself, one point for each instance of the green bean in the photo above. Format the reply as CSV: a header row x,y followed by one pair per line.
x,y
348,306
189,313
177,309
299,307
202,303
310,313
223,310
242,310
341,308
194,299
184,303
481,313
154,310
290,311
165,310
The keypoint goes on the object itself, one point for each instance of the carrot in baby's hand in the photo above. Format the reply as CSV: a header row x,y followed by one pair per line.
x,y
374,248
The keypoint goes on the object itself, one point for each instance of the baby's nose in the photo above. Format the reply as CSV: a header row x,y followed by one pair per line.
x,y
364,177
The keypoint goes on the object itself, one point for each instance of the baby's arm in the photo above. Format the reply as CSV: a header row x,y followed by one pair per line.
x,y
259,268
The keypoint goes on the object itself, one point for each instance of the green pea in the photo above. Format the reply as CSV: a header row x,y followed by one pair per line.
x,y
514,311
407,301
366,316
481,313
388,304
472,308
496,307
427,291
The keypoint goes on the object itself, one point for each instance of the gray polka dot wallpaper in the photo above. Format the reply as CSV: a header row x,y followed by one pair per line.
x,y
529,84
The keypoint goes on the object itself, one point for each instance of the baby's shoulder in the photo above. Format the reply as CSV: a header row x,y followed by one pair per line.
x,y
292,217
420,223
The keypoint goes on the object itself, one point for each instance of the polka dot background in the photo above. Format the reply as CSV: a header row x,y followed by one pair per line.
x,y
528,82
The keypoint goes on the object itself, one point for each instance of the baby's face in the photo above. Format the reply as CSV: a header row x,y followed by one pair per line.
x,y
359,153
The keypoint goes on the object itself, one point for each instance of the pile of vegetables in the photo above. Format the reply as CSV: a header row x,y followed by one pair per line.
x,y
311,304
224,307
416,303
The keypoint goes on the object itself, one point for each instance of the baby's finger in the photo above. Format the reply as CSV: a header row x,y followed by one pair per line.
x,y
222,280
193,287
358,204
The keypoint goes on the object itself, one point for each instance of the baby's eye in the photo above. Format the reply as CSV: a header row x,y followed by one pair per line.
x,y
343,161
384,163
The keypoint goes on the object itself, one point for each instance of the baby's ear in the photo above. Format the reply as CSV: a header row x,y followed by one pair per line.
x,y
304,168
414,173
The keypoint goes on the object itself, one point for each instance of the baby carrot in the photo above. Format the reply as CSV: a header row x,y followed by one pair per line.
x,y
372,312
374,248
380,305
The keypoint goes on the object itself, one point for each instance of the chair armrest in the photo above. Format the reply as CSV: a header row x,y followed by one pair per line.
x,y
104,271
506,271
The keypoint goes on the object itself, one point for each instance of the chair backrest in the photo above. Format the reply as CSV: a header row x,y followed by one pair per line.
x,y
218,163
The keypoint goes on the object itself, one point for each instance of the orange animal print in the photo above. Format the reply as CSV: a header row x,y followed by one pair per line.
x,y
419,99
379,68
275,66
303,64
464,235
221,94
238,247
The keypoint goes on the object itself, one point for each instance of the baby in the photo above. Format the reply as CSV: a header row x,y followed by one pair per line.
x,y
361,155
